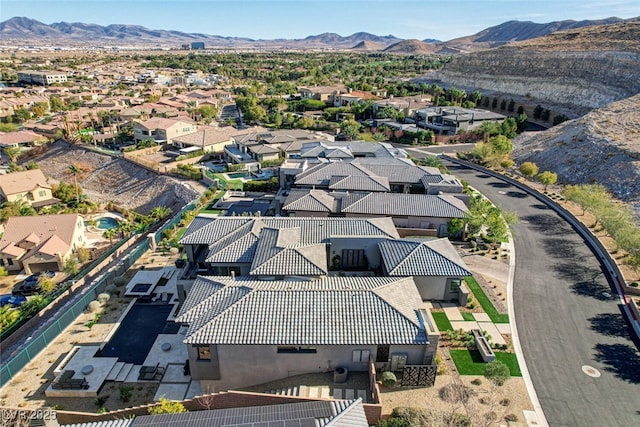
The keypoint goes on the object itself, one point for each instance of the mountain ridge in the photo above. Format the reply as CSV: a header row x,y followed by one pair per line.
x,y
27,29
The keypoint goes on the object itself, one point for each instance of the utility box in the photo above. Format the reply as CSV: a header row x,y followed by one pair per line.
x,y
398,361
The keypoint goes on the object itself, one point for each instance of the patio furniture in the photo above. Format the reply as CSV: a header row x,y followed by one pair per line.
x,y
151,373
65,381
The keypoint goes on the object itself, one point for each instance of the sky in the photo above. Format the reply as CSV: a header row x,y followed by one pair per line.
x,y
268,19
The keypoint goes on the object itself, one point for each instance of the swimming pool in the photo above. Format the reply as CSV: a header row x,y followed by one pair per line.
x,y
106,223
237,175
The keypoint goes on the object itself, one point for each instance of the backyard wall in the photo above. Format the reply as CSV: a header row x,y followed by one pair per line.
x,y
232,399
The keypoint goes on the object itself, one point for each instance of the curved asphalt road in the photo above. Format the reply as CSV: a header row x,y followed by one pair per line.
x,y
563,319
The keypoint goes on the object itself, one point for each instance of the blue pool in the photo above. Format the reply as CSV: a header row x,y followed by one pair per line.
x,y
106,223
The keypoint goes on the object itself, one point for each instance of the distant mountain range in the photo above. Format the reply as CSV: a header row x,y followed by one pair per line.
x,y
21,30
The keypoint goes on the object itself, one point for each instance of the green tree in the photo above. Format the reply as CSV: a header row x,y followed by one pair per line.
x,y
497,372
350,128
12,153
46,284
71,266
537,112
160,212
500,145
455,228
110,234
75,170
166,406
547,178
22,115
208,112
529,169
8,316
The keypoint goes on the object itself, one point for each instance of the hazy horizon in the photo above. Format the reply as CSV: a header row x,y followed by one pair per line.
x,y
289,19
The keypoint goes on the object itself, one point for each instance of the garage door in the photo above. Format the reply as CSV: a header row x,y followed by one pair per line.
x,y
45,266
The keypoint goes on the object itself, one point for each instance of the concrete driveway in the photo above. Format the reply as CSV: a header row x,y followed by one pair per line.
x,y
583,364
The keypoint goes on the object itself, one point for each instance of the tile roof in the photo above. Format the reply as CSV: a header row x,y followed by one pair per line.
x,y
22,182
327,413
18,137
208,135
359,183
161,123
209,229
329,311
53,232
278,253
407,258
310,201
399,204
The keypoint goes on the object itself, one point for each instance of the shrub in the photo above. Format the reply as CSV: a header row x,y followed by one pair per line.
x,y
3,272
93,306
389,379
112,289
167,407
100,401
104,298
511,418
634,284
125,393
477,381
455,393
497,372
119,281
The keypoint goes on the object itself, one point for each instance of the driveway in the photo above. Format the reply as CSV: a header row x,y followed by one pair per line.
x,y
566,322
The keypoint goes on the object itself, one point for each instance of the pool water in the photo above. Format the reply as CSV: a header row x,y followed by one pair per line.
x,y
236,175
106,223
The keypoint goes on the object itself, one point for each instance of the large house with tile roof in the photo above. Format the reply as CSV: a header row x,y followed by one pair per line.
x,y
40,243
162,130
244,331
28,186
377,174
422,211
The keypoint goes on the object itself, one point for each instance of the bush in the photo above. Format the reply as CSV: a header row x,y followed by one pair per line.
x,y
3,272
511,418
103,298
125,393
112,289
119,281
497,372
634,284
389,379
455,393
94,307
167,407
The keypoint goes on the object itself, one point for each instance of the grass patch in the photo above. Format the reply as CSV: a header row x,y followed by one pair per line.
x,y
484,301
442,322
180,233
468,316
469,362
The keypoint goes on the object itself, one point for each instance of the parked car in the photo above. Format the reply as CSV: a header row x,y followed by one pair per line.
x,y
24,288
4,299
36,276
13,300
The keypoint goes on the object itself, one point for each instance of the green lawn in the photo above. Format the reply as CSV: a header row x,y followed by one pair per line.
x,y
469,362
484,301
468,316
442,322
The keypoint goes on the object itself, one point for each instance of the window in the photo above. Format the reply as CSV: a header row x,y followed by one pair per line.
x,y
382,355
454,285
204,353
1,262
9,261
290,349
42,193
360,356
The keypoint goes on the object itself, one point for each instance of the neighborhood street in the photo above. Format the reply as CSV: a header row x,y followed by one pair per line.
x,y
584,366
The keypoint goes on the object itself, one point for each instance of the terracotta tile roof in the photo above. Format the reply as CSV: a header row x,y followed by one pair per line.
x,y
19,137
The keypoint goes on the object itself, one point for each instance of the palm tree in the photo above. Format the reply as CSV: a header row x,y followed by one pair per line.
x,y
75,170
12,153
110,234
160,212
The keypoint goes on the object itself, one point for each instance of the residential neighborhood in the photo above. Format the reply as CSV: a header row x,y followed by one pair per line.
x,y
212,236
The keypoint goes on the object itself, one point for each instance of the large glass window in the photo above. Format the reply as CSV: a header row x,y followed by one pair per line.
x,y
454,285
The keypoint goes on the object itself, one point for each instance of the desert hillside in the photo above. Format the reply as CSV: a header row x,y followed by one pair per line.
x,y
104,179
580,69
601,147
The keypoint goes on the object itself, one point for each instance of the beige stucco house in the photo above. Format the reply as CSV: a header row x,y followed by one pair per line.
x,y
162,130
40,243
30,186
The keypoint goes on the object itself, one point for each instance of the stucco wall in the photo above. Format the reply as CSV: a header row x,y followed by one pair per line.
x,y
368,244
432,287
242,366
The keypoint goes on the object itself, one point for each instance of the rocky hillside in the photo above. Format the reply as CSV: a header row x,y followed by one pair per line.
x,y
105,178
517,31
580,69
369,46
602,147
411,46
